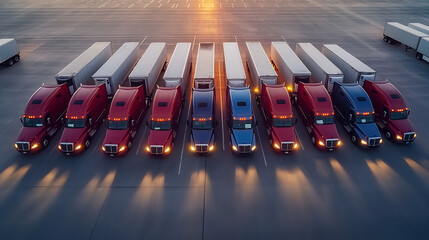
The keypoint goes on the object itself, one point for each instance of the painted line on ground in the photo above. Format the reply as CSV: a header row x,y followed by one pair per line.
x,y
193,42
299,139
262,148
141,142
283,38
221,108
143,40
184,137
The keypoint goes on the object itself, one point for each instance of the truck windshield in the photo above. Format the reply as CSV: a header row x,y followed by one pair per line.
x,y
323,120
365,118
242,124
282,122
117,125
398,115
161,125
33,122
202,124
75,123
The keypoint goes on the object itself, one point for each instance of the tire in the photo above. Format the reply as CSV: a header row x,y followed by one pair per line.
x,y
388,134
390,41
87,143
354,138
385,38
419,56
10,62
45,142
313,139
129,145
16,58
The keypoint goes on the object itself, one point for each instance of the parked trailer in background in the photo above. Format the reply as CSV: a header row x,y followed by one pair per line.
x,y
204,68
116,69
81,69
289,67
150,65
179,67
423,49
353,69
419,27
259,66
234,70
9,51
322,70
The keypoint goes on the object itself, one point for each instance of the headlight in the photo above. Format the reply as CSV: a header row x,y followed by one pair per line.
x,y
59,147
399,137
192,148
381,140
78,147
276,146
122,148
234,148
167,150
211,148
295,146
253,148
147,149
16,145
103,148
36,145
415,135
363,142
321,143
339,143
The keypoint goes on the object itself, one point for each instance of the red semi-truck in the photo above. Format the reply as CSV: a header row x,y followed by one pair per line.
x,y
42,117
317,112
123,121
277,110
85,113
166,109
391,112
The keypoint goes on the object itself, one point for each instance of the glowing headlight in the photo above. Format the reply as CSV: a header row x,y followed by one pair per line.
x,y
192,148
321,143
167,150
253,148
147,149
36,145
122,148
78,147
16,145
415,135
276,146
398,137
234,148
211,148
339,143
103,148
59,147
295,146
363,142
381,140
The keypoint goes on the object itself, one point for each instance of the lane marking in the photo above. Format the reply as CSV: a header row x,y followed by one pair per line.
x,y
141,142
184,137
160,5
232,4
146,5
262,148
236,39
193,42
221,108
143,40
189,5
245,5
283,38
131,5
299,139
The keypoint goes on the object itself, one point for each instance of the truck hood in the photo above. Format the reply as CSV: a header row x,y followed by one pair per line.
x,y
71,135
159,137
115,136
243,136
370,130
29,134
284,134
328,131
402,125
202,136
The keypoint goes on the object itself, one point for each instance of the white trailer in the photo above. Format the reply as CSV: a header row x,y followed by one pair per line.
x,y
114,72
419,27
204,67
149,67
259,65
81,69
423,49
289,67
396,32
179,67
234,69
353,69
322,70
9,51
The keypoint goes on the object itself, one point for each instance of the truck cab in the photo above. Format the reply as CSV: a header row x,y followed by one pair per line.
x,y
42,117
354,108
203,123
166,109
85,113
315,106
391,112
241,120
277,111
125,116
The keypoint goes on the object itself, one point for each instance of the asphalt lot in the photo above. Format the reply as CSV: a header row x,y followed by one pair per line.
x,y
347,194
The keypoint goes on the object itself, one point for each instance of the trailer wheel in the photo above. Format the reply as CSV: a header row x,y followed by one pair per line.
x,y
385,38
390,41
16,58
10,62
419,56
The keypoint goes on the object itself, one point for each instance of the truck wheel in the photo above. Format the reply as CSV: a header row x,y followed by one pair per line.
x,y
313,140
10,62
45,142
385,38
419,56
87,143
354,138
388,134
390,41
129,144
16,58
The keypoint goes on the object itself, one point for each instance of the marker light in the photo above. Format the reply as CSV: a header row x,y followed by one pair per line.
x,y
167,150
234,148
363,142
103,148
122,149
321,143
253,148
147,149
192,148
78,147
339,143
16,145
211,148
36,145
295,146
381,140
276,146
289,88
256,90
59,147
398,137
415,135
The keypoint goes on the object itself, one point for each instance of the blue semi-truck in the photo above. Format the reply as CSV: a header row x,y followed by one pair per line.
x,y
355,111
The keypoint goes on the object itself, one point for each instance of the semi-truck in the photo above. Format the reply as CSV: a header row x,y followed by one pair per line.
x,y
353,69
202,122
9,51
179,67
148,68
164,120
204,67
234,69
42,117
123,121
315,106
391,112
85,113
279,120
354,109
288,66
241,120
81,69
395,32
259,66
321,68
115,71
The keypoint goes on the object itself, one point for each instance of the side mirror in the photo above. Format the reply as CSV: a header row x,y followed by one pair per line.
x,y
187,123
63,120
105,123
147,123
350,117
132,122
408,112
384,114
90,121
216,123
21,119
295,121
48,120
256,122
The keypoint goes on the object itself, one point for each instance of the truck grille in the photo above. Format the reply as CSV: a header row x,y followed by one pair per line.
x,y
287,146
201,147
244,148
409,136
156,149
331,143
373,142
23,146
111,148
66,147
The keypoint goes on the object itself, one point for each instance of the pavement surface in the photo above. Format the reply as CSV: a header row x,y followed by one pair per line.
x,y
346,194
